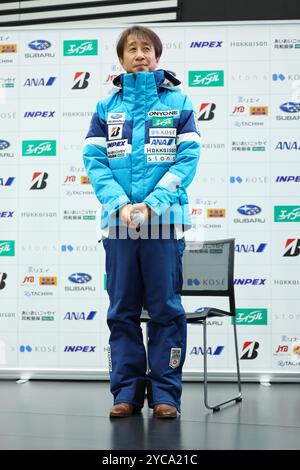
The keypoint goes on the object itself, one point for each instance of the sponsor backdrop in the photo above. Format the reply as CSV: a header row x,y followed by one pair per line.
x,y
244,81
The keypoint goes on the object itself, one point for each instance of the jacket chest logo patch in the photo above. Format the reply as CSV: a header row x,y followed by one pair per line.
x,y
175,357
163,122
164,113
117,148
115,131
115,118
162,141
162,132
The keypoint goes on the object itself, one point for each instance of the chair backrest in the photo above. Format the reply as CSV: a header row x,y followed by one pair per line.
x,y
208,269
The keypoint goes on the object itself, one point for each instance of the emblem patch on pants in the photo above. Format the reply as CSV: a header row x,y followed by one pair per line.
x,y
175,357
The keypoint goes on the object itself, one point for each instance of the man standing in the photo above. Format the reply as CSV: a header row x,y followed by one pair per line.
x,y
141,153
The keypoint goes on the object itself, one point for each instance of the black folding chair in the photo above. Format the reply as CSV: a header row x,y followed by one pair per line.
x,y
208,270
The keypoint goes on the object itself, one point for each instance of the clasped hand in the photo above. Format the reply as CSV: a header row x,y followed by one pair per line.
x,y
127,212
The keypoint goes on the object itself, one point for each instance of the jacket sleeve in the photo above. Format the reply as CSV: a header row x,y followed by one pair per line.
x,y
171,188
107,189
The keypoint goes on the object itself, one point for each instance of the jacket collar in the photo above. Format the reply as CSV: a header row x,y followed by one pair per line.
x,y
163,79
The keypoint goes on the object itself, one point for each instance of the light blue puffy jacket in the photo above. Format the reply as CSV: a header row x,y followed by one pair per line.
x,y
143,146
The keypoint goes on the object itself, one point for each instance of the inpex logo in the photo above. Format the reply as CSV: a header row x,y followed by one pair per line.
x,y
39,45
287,179
249,209
117,143
209,44
79,348
4,144
290,107
6,214
249,281
80,278
43,114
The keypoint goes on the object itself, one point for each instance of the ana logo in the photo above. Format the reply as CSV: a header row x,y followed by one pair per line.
x,y
81,47
285,145
241,248
80,278
249,209
4,144
7,182
43,148
290,107
39,81
162,141
250,350
39,45
81,80
292,246
80,315
199,351
206,78
39,180
249,316
287,214
206,112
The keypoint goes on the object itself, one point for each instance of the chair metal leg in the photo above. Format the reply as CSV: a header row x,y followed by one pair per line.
x,y
238,398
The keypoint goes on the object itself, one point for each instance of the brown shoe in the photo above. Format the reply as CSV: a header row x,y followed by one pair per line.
x,y
164,411
122,410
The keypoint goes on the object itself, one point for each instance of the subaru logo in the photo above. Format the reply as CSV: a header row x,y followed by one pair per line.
x,y
249,209
116,116
4,144
290,107
39,45
80,278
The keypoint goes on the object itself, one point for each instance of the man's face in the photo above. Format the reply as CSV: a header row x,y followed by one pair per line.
x,y
139,55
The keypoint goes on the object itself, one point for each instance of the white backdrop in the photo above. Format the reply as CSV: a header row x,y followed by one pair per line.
x,y
244,81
